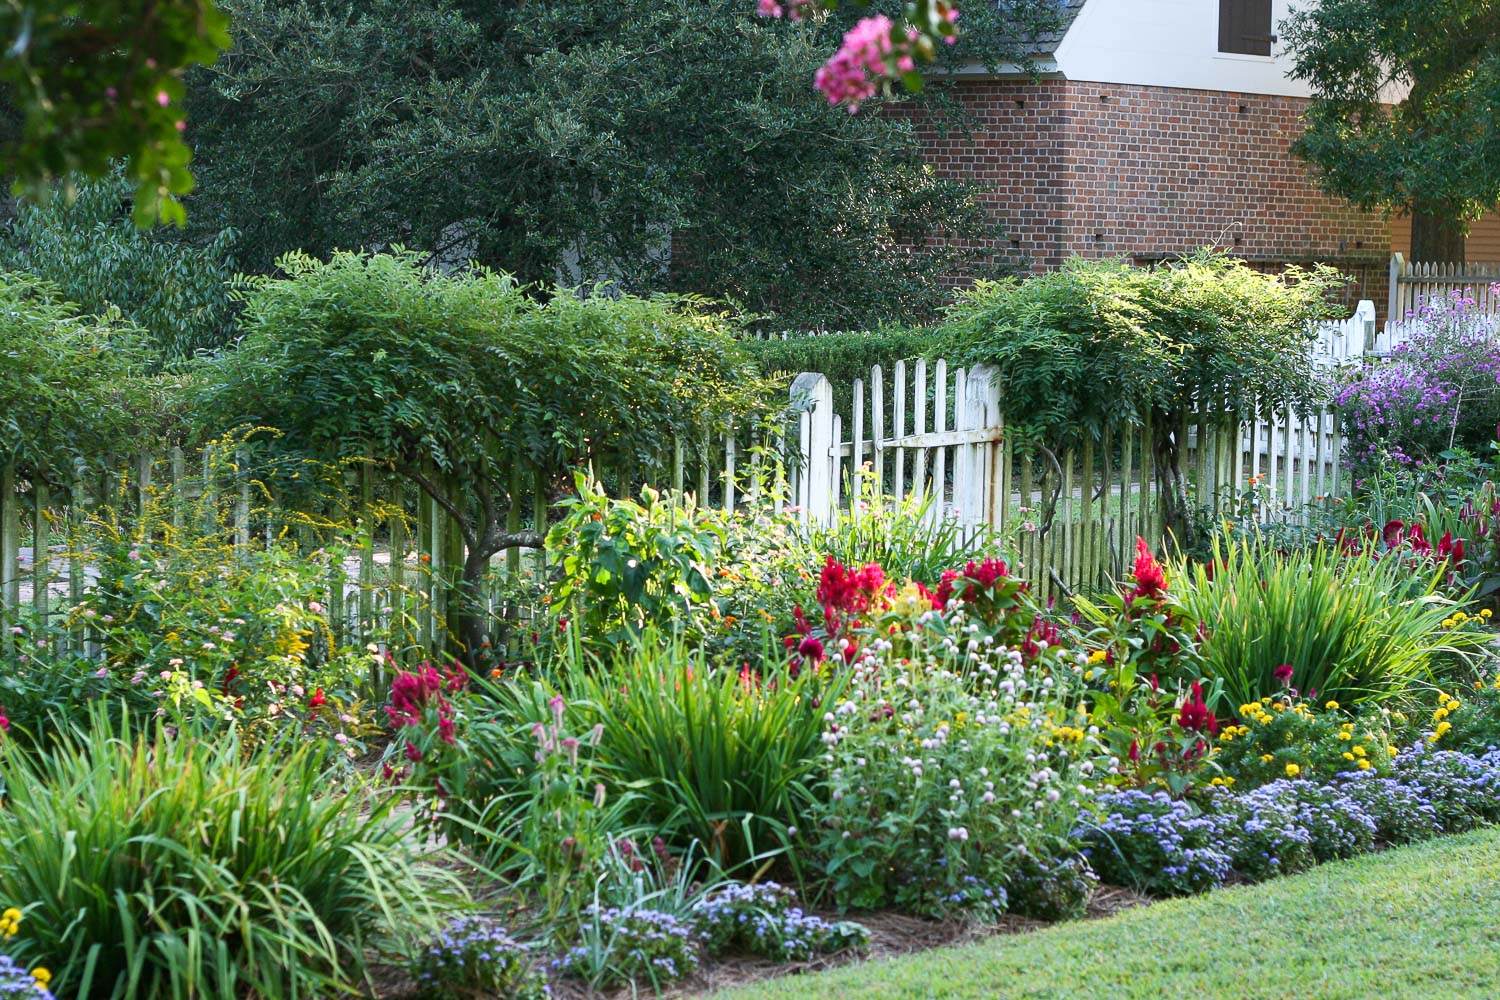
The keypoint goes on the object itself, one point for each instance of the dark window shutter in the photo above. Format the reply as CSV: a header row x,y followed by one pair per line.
x,y
1245,27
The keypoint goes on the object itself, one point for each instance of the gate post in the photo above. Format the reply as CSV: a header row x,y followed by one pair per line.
x,y
984,471
818,464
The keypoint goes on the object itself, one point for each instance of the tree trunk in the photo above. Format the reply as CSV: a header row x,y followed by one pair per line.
x,y
1176,510
1437,238
473,624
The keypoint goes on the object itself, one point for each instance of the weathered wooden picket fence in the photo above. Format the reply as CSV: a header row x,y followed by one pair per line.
x,y
912,430
1073,516
1413,283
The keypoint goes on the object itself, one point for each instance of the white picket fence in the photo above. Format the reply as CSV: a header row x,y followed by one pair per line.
x,y
916,429
1074,516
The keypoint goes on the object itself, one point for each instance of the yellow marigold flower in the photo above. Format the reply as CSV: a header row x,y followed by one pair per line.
x,y
1455,705
1346,735
1332,706
1348,755
1392,750
1097,656
1484,613
1266,758
1364,765
1217,781
1278,706
1443,727
1229,780
41,975
1292,770
11,916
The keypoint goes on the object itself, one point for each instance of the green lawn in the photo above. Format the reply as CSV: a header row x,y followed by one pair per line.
x,y
1417,922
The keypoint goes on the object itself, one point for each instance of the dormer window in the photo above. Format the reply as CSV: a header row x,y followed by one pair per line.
x,y
1245,27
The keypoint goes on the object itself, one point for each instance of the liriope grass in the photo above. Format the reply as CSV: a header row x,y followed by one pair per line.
x,y
152,866
1353,627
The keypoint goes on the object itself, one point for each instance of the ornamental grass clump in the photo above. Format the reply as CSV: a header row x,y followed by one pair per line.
x,y
155,866
1355,628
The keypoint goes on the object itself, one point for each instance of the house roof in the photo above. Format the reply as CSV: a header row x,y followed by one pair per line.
x,y
1068,11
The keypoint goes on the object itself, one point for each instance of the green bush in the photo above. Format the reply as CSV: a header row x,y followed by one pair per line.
x,y
843,357
1352,627
88,246
154,866
69,384
1100,344
470,386
717,756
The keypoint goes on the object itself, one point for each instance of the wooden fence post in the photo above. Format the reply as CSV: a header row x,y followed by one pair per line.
x,y
815,481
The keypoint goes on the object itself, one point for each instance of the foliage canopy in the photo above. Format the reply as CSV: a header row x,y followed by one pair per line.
x,y
70,385
1431,153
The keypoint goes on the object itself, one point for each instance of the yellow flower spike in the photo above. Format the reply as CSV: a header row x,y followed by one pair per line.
x,y
1292,770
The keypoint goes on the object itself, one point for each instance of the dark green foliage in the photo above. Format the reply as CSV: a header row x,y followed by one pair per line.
x,y
460,380
69,384
97,80
1431,153
88,247
675,146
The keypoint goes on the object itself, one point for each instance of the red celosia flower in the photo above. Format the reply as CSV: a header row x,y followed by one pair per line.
x,y
412,753
317,701
1194,717
811,648
1283,674
1150,577
1391,533
445,729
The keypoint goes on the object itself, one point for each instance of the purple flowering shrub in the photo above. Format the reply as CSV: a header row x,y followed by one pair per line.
x,y
1054,886
620,946
1439,390
1154,843
765,919
473,956
1463,789
1288,826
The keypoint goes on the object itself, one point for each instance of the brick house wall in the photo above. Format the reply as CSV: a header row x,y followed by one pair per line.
x,y
1102,169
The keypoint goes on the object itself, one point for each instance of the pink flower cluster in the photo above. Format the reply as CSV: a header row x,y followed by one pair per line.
x,y
872,51
414,692
793,10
